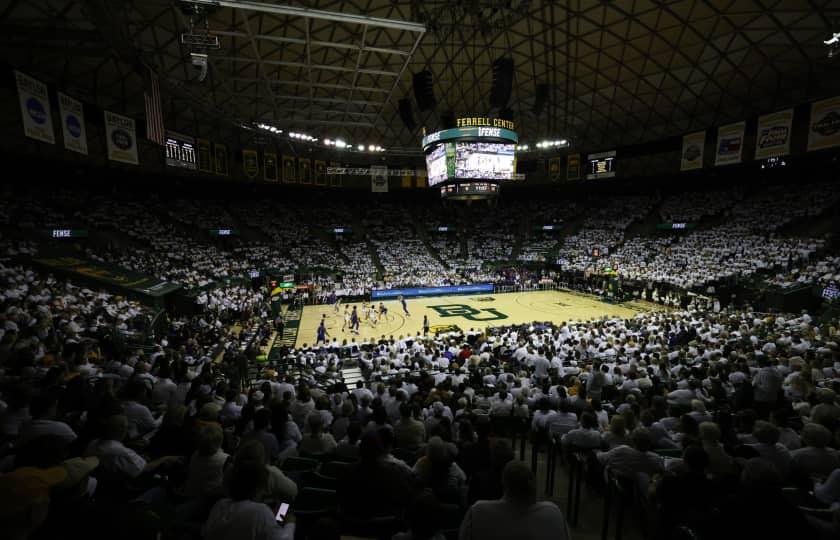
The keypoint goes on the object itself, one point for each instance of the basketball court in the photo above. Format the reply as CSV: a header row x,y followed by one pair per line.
x,y
466,312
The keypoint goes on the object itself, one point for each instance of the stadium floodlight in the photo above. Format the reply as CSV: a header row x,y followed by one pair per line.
x,y
340,144
371,148
360,147
564,141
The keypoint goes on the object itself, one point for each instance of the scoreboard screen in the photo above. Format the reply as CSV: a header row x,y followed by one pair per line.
x,y
601,165
180,151
484,161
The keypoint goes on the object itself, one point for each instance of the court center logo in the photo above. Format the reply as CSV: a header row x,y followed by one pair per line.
x,y
469,313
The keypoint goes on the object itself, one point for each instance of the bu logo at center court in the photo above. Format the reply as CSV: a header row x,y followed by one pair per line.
x,y
467,312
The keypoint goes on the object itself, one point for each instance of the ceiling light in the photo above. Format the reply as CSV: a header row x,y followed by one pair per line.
x,y
564,141
371,148
360,147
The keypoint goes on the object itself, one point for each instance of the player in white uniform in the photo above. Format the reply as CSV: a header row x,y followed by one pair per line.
x,y
346,318
372,316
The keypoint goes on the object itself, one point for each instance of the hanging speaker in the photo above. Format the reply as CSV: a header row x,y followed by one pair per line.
x,y
502,82
540,99
404,106
424,93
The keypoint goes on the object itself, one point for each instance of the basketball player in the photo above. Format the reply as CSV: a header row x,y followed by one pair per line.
x,y
372,316
383,311
354,321
346,318
404,306
322,331
337,304
425,325
364,311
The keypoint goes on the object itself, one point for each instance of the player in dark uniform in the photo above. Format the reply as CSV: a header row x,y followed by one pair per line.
x,y
354,321
322,331
404,306
425,325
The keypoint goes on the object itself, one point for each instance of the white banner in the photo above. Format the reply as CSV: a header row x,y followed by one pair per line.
x,y
773,134
72,124
692,151
730,143
824,126
122,140
379,178
35,108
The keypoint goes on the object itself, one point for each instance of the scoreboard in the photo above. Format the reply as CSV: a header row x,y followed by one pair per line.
x,y
601,165
180,151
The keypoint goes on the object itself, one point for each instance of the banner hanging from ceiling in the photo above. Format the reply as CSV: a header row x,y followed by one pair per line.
x,y
304,170
379,178
320,172
270,167
221,159
730,144
250,163
773,134
72,124
824,126
573,167
554,169
692,151
289,173
35,108
205,156
122,138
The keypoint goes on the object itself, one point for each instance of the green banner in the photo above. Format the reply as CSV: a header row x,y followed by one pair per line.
x,y
109,275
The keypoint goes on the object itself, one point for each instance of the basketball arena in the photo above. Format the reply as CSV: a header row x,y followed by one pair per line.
x,y
420,270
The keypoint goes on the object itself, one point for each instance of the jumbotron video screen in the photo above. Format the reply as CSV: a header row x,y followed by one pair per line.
x,y
484,161
436,165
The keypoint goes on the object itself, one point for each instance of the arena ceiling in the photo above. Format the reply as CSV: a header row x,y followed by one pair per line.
x,y
618,72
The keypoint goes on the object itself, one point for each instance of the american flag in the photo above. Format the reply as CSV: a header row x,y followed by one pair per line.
x,y
154,115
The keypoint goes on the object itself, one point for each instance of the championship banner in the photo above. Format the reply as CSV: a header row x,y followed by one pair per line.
x,y
35,108
320,172
305,170
773,135
407,181
554,169
250,163
421,178
824,127
573,167
121,137
270,167
730,144
221,158
72,124
205,156
289,172
692,151
379,178
335,180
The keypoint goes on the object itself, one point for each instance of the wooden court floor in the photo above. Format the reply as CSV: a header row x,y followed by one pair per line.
x,y
466,312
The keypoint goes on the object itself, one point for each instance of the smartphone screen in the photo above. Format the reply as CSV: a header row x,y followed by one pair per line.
x,y
281,512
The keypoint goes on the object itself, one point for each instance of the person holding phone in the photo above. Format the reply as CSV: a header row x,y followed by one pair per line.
x,y
241,516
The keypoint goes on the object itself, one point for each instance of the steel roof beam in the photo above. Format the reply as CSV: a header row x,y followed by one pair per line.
x,y
304,66
293,11
314,42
